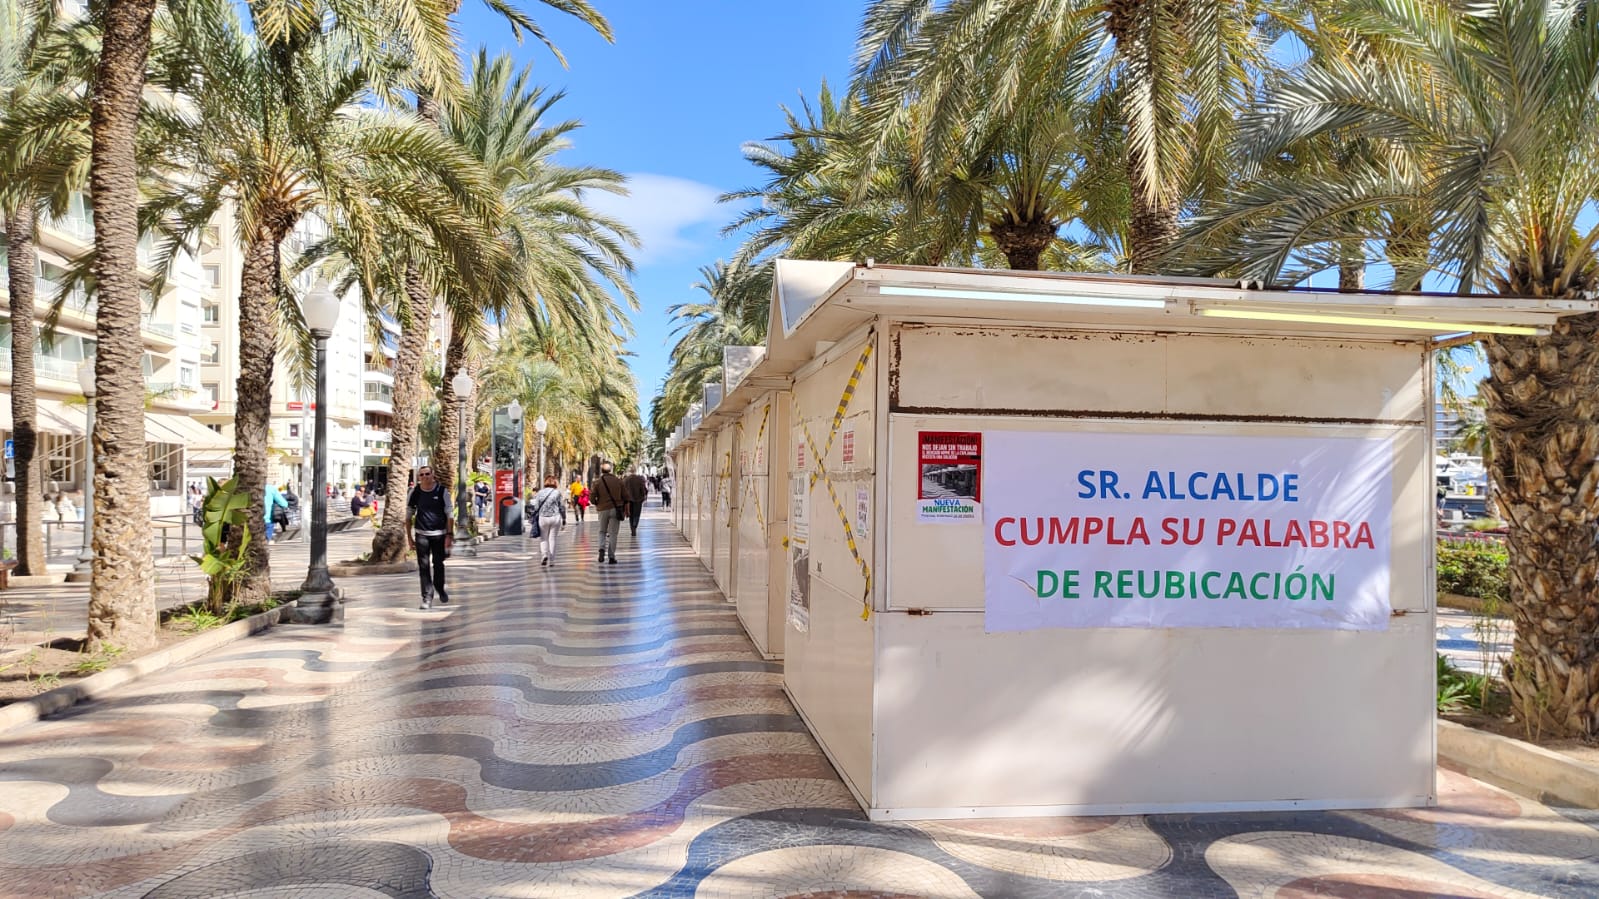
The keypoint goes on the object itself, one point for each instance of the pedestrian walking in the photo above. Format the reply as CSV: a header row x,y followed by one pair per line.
x,y
271,502
548,508
429,531
580,497
666,490
480,498
610,499
636,491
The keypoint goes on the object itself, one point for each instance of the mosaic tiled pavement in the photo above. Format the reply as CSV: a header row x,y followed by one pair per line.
x,y
608,731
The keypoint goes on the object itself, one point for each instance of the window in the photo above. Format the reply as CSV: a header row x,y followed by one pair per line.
x,y
211,313
212,354
211,390
63,458
186,376
213,276
294,429
215,429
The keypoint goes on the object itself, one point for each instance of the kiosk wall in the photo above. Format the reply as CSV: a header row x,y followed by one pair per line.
x,y
829,651
762,521
1105,719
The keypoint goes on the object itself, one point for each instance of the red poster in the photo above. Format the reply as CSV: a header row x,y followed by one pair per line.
x,y
504,482
950,465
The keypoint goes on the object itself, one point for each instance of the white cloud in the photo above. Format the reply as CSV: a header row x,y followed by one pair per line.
x,y
660,209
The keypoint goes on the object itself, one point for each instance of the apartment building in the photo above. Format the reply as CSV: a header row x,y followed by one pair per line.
x,y
179,448
290,445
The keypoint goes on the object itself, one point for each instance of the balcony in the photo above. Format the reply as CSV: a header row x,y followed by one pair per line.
x,y
158,332
378,374
44,368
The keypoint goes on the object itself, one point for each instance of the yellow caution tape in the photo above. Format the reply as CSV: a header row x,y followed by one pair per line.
x,y
820,473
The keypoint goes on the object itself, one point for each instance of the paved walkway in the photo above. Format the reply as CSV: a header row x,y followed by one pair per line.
x,y
589,731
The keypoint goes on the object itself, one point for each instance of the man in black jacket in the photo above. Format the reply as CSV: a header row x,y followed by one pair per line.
x,y
430,532
636,490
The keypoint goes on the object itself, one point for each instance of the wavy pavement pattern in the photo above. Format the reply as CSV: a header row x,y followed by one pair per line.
x,y
596,731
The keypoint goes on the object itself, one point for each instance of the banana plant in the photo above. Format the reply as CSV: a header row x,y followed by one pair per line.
x,y
225,541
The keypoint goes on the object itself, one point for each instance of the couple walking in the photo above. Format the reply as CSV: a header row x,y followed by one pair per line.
x,y
614,498
617,498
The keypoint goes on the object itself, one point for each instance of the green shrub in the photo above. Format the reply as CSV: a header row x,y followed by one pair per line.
x,y
1473,570
1459,689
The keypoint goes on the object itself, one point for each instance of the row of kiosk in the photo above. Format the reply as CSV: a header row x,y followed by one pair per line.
x,y
1048,544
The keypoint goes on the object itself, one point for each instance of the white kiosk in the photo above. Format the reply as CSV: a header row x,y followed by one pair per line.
x,y
1067,544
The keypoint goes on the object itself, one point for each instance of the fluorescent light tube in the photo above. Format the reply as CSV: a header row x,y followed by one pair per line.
x,y
1371,322
1007,296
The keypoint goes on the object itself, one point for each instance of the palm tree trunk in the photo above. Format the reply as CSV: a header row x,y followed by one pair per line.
x,y
1542,398
1023,242
388,544
29,496
1406,249
1351,266
1152,223
252,417
450,406
122,587
1152,218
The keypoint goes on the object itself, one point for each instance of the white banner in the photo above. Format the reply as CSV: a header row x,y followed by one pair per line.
x,y
1179,530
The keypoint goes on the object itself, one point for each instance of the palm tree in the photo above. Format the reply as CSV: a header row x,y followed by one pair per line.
x,y
825,197
23,24
1178,72
1503,121
281,133
121,593
388,544
733,313
121,604
568,259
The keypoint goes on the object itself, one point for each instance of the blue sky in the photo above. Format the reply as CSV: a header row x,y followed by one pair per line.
x,y
669,104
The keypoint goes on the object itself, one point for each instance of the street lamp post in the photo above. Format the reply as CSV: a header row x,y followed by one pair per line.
x,y
540,425
462,385
514,412
85,568
319,597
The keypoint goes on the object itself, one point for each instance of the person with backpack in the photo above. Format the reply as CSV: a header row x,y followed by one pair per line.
x,y
610,498
430,531
547,509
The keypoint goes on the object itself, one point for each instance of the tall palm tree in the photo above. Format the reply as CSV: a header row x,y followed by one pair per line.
x,y
121,592
568,259
1179,70
388,544
280,133
1503,119
23,26
121,604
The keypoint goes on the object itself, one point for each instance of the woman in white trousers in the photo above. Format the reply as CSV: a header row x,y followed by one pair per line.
x,y
548,506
